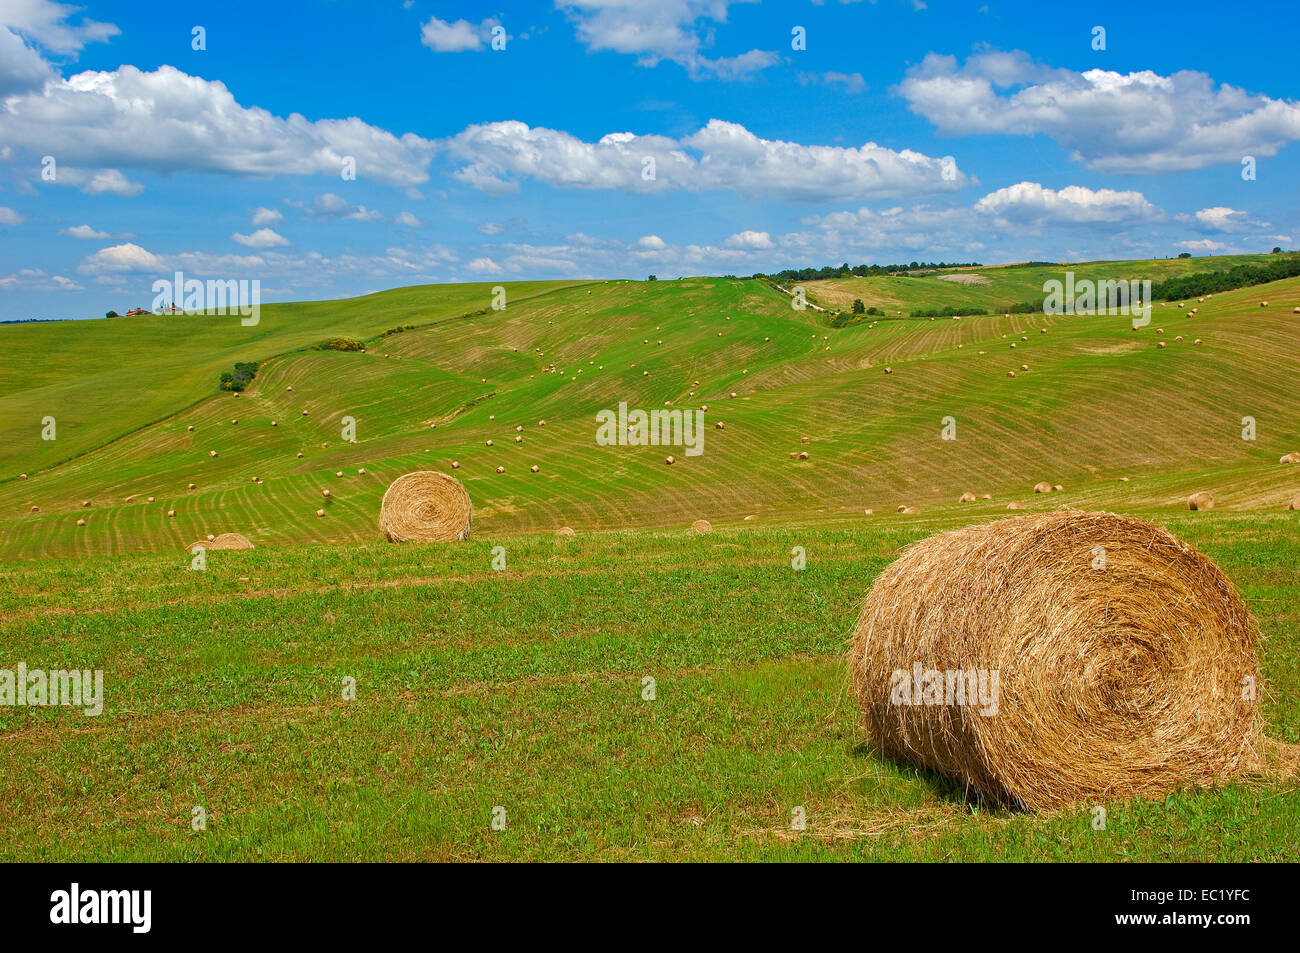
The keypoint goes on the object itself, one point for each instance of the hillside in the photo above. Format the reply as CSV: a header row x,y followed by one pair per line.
x,y
1099,403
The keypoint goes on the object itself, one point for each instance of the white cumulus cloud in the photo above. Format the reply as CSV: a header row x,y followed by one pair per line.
x,y
1030,202
721,155
1139,122
262,238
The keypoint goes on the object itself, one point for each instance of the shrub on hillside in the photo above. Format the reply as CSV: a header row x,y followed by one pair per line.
x,y
341,344
240,377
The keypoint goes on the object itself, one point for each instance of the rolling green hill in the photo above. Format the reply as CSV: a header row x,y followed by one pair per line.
x,y
1100,402
522,687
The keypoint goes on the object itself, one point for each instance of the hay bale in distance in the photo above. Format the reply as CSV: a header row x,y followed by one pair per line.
x,y
1293,505
425,506
1042,487
223,541
565,531
702,526
1200,501
1112,683
967,497
1015,505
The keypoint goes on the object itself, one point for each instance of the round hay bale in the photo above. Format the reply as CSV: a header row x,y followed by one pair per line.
x,y
669,460
804,439
1197,341
320,513
171,514
148,499
1042,487
1015,505
1112,683
190,487
868,512
81,522
325,493
1200,501
36,509
22,476
719,426
967,497
1057,488
1290,458
565,531
1293,505
534,469
425,506
910,511
501,469
889,370
702,526
803,455
223,541
986,496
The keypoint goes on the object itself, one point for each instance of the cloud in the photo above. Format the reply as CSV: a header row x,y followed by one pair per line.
x,y
9,217
459,37
755,241
168,121
109,181
1222,219
1030,202
83,231
408,219
651,243
484,266
722,155
657,30
36,280
262,238
1138,122
327,206
26,27
852,83
125,257
1203,245
267,216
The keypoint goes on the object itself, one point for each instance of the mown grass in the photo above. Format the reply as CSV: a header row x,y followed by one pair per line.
x,y
522,689
1100,402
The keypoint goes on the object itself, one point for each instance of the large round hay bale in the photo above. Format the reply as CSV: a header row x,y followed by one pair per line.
x,y
1111,682
1200,501
702,526
426,506
223,541
1042,487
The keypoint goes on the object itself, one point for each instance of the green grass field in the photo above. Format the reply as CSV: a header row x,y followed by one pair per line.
x,y
522,689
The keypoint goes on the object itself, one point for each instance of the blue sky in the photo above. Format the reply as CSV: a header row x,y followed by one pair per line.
x,y
900,130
